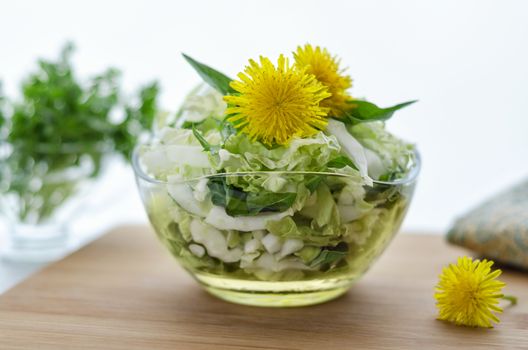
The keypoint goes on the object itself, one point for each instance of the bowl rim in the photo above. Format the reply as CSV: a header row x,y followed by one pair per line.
x,y
139,172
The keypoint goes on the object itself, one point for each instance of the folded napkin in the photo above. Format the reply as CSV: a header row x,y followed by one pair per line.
x,y
497,229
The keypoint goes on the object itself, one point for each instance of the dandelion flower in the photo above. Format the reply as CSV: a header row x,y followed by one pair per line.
x,y
275,104
468,293
319,62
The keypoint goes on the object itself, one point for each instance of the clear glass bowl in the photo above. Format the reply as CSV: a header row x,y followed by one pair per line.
x,y
278,257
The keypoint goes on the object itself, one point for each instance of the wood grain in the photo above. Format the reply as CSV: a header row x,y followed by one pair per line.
x,y
124,291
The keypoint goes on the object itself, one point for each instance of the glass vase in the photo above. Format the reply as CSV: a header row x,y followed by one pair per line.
x,y
38,203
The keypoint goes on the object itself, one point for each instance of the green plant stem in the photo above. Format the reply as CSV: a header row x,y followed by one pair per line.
x,y
512,299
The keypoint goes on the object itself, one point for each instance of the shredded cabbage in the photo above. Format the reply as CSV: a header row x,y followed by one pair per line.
x,y
282,219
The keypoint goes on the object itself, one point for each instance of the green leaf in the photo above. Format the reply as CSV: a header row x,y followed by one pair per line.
x,y
312,182
240,203
226,129
206,145
270,201
214,78
341,162
364,111
228,196
217,187
203,125
330,257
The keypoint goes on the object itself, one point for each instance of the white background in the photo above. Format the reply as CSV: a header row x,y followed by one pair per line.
x,y
466,61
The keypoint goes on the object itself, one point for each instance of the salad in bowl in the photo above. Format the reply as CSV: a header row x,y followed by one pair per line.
x,y
277,188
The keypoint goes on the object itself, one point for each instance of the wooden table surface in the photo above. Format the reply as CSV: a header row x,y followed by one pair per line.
x,y
124,291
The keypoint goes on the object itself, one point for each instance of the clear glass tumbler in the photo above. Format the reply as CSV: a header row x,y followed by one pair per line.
x,y
39,196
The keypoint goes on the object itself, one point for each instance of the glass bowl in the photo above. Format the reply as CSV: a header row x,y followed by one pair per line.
x,y
279,255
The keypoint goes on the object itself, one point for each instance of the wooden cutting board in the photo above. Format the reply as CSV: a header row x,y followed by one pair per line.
x,y
124,291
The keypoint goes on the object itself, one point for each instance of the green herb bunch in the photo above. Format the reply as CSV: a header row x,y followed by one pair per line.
x,y
61,123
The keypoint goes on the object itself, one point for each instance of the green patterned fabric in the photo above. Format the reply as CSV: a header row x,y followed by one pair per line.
x,y
497,229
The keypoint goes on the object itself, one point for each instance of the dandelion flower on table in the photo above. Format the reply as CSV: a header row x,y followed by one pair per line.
x,y
319,62
277,103
468,293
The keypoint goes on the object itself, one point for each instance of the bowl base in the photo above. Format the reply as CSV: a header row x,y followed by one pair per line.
x,y
36,243
275,293
288,299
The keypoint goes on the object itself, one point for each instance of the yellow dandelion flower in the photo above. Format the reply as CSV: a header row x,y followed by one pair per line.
x,y
468,293
275,104
326,69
